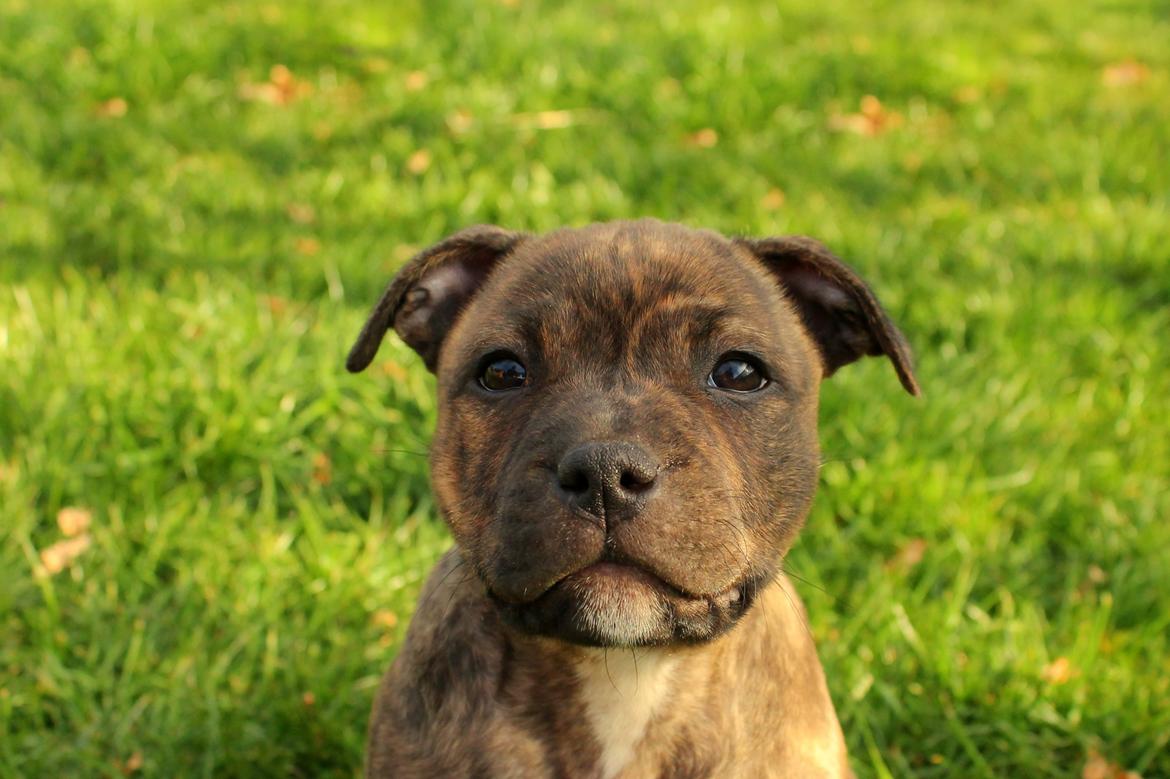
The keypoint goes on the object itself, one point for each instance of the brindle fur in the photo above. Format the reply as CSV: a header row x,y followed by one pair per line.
x,y
619,325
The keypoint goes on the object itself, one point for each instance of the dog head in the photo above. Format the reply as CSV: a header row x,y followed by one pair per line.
x,y
626,441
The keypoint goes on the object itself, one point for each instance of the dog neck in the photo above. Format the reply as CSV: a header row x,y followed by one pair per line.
x,y
623,690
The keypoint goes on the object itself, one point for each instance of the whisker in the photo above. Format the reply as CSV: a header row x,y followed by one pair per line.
x,y
789,572
802,618
380,450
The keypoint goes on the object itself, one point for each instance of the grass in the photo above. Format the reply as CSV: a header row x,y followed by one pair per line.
x,y
189,240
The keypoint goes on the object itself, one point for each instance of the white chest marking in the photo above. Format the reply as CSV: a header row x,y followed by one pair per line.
x,y
621,699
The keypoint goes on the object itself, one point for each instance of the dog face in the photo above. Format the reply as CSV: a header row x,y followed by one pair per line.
x,y
626,441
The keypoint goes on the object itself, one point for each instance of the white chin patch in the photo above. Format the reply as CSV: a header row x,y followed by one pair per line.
x,y
621,616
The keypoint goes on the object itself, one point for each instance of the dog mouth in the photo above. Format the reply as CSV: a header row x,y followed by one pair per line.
x,y
626,575
608,603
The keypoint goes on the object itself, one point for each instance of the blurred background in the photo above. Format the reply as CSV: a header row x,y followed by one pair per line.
x,y
211,537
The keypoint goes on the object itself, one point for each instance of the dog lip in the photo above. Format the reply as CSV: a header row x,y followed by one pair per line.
x,y
620,573
628,573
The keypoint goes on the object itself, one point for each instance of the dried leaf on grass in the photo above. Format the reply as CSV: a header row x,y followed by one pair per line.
x,y
277,306
415,81
703,139
384,618
322,469
113,108
393,370
301,213
1125,73
418,162
872,119
281,88
74,521
1097,767
307,246
460,122
909,555
545,120
1059,671
59,556
774,200
132,764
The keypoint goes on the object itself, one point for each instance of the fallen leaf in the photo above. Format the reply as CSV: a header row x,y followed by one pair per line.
x,y
113,108
376,64
393,370
307,246
774,200
277,306
322,469
872,119
418,162
1059,671
60,555
281,88
1097,767
460,122
301,213
545,120
384,618
554,120
908,556
1124,73
703,139
308,698
73,521
132,764
415,81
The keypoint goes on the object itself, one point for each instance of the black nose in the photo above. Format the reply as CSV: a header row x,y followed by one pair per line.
x,y
609,480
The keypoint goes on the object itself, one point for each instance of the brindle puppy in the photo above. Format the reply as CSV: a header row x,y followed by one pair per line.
x,y
626,448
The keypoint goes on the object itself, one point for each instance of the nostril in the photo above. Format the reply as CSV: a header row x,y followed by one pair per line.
x,y
574,481
633,481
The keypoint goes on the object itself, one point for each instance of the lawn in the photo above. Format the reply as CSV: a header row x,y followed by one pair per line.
x,y
199,202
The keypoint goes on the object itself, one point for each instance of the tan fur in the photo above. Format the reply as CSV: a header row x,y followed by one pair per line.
x,y
752,703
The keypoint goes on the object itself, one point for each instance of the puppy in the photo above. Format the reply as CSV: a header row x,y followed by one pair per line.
x,y
626,447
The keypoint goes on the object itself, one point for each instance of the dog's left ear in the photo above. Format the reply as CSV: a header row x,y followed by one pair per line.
x,y
425,298
839,311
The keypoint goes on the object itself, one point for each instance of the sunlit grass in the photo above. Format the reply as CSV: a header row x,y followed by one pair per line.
x,y
199,203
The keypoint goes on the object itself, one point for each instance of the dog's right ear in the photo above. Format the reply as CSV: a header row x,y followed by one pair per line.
x,y
423,301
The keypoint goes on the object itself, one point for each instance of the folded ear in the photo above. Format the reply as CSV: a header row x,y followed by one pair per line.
x,y
839,311
424,299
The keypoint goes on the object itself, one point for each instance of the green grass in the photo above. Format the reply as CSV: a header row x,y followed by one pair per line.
x,y
179,283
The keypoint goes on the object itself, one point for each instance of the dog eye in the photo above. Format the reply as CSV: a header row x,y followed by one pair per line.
x,y
502,372
737,374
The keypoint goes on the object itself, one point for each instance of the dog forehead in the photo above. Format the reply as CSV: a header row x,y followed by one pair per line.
x,y
630,296
622,267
